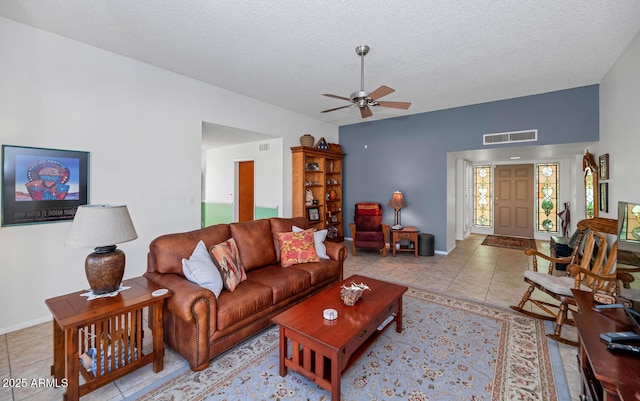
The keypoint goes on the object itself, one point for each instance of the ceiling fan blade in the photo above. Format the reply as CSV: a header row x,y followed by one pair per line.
x,y
395,105
365,112
337,97
337,108
380,92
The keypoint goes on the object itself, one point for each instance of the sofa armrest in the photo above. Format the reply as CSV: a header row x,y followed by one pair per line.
x,y
190,317
184,303
336,251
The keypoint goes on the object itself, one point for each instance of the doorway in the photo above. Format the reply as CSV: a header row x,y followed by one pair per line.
x,y
514,200
246,203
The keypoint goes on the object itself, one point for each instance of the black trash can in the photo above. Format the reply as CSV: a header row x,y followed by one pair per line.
x,y
425,247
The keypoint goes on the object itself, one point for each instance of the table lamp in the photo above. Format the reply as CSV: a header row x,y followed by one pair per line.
x,y
397,202
102,227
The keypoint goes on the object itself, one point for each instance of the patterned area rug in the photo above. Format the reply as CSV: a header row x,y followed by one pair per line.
x,y
450,349
509,242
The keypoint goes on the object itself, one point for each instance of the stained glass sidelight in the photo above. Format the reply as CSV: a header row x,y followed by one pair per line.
x,y
482,211
547,197
589,193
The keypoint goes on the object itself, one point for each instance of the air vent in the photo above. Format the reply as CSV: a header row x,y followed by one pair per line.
x,y
264,146
510,137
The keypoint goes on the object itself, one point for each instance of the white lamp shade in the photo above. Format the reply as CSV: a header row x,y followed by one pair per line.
x,y
100,225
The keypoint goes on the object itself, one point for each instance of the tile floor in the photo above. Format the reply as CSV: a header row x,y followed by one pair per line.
x,y
483,273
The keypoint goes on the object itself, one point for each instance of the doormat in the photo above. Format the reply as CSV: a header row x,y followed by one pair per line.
x,y
502,241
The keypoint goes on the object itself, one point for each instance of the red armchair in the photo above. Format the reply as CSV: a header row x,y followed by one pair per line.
x,y
367,229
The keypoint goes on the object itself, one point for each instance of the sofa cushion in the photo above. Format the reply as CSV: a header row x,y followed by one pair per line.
x,y
200,269
319,272
227,258
284,283
254,240
297,247
318,240
368,223
166,252
369,239
248,299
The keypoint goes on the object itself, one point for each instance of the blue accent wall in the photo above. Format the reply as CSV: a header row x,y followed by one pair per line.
x,y
410,153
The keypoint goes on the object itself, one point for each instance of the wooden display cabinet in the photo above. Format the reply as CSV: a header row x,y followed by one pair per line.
x,y
320,172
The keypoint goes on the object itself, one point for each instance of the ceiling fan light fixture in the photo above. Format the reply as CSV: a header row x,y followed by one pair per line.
x,y
364,99
359,95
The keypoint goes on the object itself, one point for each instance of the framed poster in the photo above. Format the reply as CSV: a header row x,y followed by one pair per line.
x,y
42,185
313,213
604,197
604,166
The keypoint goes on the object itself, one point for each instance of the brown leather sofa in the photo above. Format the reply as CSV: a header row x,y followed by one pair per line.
x,y
196,324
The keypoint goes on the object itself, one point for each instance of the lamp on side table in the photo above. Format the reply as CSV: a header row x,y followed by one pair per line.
x,y
102,227
397,202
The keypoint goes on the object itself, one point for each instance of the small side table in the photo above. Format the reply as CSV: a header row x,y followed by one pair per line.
x,y
410,233
113,326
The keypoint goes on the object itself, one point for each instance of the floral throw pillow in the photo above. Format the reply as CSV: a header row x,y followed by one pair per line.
x,y
297,247
318,240
227,259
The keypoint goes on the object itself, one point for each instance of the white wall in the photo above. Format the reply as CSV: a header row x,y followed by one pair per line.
x,y
620,127
142,126
220,185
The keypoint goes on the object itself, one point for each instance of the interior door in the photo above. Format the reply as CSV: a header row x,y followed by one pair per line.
x,y
514,200
246,205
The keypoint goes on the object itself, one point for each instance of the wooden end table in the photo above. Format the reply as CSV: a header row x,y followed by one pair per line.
x,y
112,326
410,233
323,349
606,376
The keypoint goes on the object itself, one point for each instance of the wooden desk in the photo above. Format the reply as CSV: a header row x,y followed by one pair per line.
x,y
410,233
606,376
111,326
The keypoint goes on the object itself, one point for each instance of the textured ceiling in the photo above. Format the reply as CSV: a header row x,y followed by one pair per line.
x,y
436,54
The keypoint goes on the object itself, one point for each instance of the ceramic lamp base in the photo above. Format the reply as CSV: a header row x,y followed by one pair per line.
x,y
105,271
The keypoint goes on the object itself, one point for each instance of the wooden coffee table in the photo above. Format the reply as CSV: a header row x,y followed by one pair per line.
x,y
322,349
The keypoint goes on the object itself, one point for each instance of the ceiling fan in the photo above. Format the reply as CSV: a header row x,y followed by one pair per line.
x,y
363,99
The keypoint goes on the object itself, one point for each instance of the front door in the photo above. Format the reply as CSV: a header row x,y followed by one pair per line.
x,y
514,200
245,191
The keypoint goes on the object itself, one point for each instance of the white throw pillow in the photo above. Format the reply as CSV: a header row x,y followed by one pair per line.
x,y
318,240
200,269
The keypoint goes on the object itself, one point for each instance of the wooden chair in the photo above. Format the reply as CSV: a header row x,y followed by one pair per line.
x,y
367,230
592,273
600,224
